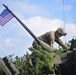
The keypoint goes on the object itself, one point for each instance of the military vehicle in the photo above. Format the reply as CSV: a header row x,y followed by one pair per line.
x,y
68,64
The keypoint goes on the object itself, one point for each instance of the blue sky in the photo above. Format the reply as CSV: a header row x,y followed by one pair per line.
x,y
39,16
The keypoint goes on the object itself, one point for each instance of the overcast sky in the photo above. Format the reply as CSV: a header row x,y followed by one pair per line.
x,y
39,16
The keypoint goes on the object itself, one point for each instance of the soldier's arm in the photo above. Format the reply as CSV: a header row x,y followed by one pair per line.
x,y
60,42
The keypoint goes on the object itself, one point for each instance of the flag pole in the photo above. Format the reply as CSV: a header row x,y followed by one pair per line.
x,y
22,24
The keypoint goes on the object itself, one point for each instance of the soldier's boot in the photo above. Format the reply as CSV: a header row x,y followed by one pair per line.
x,y
4,68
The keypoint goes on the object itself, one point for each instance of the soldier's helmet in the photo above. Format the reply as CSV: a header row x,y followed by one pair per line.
x,y
61,31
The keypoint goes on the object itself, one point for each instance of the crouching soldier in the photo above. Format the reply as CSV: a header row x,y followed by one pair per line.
x,y
50,37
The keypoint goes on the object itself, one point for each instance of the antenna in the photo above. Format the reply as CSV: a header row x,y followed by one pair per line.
x,y
63,17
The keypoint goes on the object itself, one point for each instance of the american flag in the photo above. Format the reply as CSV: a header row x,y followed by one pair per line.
x,y
5,16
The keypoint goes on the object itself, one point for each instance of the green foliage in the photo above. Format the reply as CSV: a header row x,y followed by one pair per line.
x,y
44,60
42,65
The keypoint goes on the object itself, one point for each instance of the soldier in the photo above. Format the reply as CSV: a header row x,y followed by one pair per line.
x,y
47,41
52,36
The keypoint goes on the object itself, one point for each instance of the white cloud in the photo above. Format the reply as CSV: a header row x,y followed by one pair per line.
x,y
71,30
71,27
41,25
11,42
8,42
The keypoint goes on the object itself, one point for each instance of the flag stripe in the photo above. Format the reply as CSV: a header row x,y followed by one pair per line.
x,y
6,19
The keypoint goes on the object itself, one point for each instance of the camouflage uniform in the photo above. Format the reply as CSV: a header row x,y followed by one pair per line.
x,y
49,39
